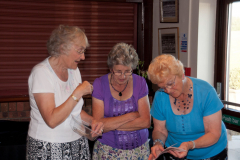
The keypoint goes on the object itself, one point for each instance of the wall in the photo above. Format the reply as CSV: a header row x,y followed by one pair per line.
x,y
182,25
197,21
16,111
206,40
20,111
193,36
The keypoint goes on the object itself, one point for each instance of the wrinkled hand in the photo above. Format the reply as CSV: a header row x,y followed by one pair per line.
x,y
184,146
134,115
97,127
84,88
155,151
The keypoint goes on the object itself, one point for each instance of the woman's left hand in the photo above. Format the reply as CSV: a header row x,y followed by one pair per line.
x,y
97,126
185,146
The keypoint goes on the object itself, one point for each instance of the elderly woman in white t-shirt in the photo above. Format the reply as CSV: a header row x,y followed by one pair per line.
x,y
55,93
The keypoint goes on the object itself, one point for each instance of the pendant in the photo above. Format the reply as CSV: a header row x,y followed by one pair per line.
x,y
120,94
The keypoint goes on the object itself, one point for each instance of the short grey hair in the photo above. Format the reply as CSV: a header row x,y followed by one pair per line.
x,y
62,39
123,54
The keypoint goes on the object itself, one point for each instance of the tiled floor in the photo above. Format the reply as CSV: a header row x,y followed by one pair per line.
x,y
234,148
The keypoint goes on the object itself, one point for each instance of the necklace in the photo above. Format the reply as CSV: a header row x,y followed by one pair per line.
x,y
185,103
119,93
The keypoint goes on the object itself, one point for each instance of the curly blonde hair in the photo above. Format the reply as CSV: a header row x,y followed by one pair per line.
x,y
122,54
62,39
162,66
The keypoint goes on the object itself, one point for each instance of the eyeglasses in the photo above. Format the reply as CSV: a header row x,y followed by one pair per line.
x,y
128,73
169,85
80,51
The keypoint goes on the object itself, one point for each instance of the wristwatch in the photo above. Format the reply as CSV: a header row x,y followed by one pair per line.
x,y
75,98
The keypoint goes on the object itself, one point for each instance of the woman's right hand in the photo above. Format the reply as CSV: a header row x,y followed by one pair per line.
x,y
83,89
155,151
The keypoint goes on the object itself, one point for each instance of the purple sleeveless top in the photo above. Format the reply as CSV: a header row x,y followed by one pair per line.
x,y
112,107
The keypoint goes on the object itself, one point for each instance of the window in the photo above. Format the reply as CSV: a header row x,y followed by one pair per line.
x,y
227,65
233,56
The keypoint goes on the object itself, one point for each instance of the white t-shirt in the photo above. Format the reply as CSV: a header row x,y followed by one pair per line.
x,y
44,80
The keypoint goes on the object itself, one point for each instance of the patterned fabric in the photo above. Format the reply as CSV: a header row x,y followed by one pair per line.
x,y
105,152
126,140
42,150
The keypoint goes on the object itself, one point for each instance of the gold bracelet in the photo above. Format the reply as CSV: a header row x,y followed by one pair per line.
x,y
74,98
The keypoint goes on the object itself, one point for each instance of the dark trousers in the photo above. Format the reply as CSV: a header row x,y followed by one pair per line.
x,y
221,156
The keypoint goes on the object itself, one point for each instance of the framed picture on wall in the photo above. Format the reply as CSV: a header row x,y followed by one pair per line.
x,y
168,41
169,11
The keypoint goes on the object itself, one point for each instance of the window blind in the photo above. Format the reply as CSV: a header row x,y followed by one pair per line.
x,y
25,27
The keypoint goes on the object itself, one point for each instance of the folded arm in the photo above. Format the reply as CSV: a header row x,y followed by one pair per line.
x,y
110,123
144,119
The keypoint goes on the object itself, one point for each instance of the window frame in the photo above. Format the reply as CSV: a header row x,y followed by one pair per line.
x,y
221,57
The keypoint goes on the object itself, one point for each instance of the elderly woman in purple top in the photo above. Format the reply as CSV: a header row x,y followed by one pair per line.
x,y
120,101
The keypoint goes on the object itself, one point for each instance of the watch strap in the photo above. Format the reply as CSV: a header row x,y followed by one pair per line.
x,y
74,98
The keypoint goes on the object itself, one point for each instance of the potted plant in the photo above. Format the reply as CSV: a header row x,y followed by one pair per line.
x,y
140,69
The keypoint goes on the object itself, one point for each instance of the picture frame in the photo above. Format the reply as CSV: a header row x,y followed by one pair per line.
x,y
168,41
169,11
